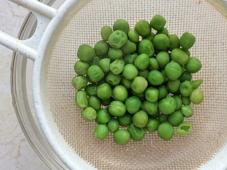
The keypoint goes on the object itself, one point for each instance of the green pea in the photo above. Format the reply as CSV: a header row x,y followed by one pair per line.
x,y
161,42
117,66
95,73
121,137
179,56
101,132
105,32
164,31
103,116
163,118
173,70
162,58
101,48
185,100
117,108
91,90
104,91
140,119
197,96
150,108
81,99
115,53
165,131
113,125
113,79
144,73
117,39
89,114
187,40
167,105
163,92
121,24
129,48
81,68
139,84
187,110
176,118
154,64
178,102
133,36
151,94
136,133
85,53
158,22
130,71
79,82
152,125
193,65
120,93
196,83
184,129
173,86
129,59
186,88
105,64
155,77
142,27
142,61
94,102
126,83
186,76
133,104
174,41
146,47
125,120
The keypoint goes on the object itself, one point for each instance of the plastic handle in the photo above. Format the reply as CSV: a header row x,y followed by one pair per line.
x,y
28,48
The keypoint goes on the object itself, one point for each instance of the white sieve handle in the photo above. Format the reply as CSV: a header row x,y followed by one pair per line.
x,y
28,48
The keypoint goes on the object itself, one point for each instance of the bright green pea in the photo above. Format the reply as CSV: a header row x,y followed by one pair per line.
x,y
117,108
81,99
121,137
142,27
165,131
79,82
163,118
173,86
121,24
89,114
129,59
150,108
193,65
186,88
117,39
104,91
129,48
146,47
158,22
115,53
127,83
105,64
178,102
125,120
176,118
139,84
133,36
185,100
196,83
173,70
161,42
101,48
142,61
154,64
105,32
187,110
133,104
113,125
101,132
102,116
179,56
162,58
163,92
184,129
113,79
117,66
136,133
155,77
152,125
120,93
186,76
187,40
85,53
91,90
94,102
174,41
130,71
140,119
95,73
151,94
197,96
81,68
144,73
167,105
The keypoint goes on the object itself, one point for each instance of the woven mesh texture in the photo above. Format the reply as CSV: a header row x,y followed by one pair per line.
x,y
210,119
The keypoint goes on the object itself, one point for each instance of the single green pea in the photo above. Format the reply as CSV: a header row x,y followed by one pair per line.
x,y
174,41
179,56
186,88
185,100
151,94
178,102
196,83
101,48
117,108
163,118
113,79
117,66
121,137
136,133
184,129
113,125
150,108
120,93
129,59
114,54
125,82
186,76
140,119
104,91
101,131
164,31
163,92
146,47
155,77
105,64
89,114
161,42
105,32
176,118
165,131
142,27
117,39
187,40
85,53
142,61
173,70
152,125
103,116
173,86
95,73
167,105
158,22
197,96
94,102
187,110
130,71
121,24
144,73
162,58
139,84
125,120
129,47
81,68
133,104
91,90
81,99
133,36
193,65
154,64
79,82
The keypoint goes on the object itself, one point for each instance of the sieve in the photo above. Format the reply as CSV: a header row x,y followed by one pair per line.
x,y
52,49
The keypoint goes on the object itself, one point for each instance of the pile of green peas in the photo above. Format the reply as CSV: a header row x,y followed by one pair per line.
x,y
138,80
